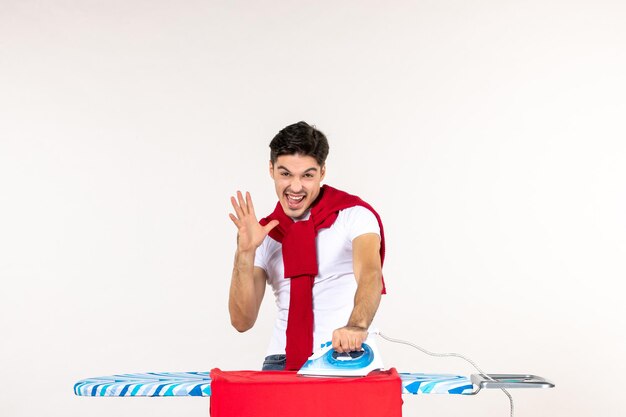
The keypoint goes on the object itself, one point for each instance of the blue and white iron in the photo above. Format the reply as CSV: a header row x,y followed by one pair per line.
x,y
327,362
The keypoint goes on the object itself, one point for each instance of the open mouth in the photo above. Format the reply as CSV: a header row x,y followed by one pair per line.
x,y
295,201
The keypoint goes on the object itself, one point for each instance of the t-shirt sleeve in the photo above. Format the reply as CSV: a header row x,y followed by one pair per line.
x,y
358,221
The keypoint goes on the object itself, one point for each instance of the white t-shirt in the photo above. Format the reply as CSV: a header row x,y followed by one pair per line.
x,y
335,285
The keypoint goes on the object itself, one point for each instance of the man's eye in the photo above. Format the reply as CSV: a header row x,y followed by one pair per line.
x,y
285,174
308,175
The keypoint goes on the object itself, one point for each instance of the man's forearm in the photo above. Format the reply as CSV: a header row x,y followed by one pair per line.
x,y
244,300
366,300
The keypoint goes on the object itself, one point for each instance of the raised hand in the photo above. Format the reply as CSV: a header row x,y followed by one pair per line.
x,y
250,233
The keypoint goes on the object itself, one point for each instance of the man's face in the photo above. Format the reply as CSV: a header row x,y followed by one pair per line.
x,y
297,180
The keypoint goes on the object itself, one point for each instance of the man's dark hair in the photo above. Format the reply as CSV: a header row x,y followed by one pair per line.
x,y
302,139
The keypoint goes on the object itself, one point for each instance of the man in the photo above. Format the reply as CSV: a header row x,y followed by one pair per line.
x,y
321,250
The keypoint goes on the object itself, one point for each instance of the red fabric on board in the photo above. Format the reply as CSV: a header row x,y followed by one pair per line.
x,y
286,394
300,262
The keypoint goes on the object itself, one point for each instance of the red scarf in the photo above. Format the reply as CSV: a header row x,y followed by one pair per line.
x,y
300,262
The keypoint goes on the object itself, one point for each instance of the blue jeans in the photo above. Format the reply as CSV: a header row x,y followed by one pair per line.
x,y
274,363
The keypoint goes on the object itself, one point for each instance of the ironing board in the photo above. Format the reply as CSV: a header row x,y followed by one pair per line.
x,y
198,384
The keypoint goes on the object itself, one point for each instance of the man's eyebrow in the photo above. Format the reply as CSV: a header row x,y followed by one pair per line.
x,y
310,169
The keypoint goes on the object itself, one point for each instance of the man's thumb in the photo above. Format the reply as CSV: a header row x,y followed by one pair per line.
x,y
271,225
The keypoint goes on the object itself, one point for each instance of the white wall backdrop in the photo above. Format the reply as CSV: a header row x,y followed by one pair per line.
x,y
488,134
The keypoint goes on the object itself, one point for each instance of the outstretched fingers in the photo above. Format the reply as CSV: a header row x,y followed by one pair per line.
x,y
243,209
237,207
250,233
249,203
234,219
242,203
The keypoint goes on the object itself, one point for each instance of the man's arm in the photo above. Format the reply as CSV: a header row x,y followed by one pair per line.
x,y
368,273
247,285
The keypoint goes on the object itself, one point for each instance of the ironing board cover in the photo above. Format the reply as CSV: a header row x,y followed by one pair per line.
x,y
151,384
417,383
198,384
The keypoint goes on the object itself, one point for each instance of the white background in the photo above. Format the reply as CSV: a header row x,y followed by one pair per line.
x,y
489,135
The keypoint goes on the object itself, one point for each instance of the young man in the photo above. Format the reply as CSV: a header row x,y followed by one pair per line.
x,y
321,250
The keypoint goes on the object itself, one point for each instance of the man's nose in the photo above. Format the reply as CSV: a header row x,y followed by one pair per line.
x,y
296,185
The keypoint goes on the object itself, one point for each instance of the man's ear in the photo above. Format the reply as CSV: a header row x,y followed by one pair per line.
x,y
271,171
323,173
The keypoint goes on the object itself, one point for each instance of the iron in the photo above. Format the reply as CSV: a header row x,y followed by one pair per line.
x,y
327,362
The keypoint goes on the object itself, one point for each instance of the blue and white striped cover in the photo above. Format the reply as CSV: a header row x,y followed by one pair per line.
x,y
165,384
198,384
416,383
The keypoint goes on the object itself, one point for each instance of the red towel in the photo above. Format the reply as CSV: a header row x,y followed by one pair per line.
x,y
300,261
286,394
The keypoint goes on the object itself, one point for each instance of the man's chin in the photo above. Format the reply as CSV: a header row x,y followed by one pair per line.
x,y
294,213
